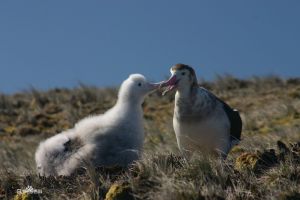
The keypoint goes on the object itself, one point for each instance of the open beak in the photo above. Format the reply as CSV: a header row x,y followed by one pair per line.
x,y
171,84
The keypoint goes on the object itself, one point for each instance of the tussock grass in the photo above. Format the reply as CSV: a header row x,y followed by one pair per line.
x,y
264,166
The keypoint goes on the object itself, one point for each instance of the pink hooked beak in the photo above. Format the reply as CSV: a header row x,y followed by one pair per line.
x,y
171,82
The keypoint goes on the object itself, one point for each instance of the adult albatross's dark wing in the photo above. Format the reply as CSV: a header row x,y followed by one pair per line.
x,y
235,122
234,119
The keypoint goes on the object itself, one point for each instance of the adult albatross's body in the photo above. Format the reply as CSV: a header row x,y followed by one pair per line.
x,y
202,122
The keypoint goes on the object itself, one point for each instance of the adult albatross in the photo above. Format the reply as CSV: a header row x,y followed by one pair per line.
x,y
202,122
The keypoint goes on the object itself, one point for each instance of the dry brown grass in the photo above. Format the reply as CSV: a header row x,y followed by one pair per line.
x,y
259,168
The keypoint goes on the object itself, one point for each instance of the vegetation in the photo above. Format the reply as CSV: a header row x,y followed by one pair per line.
x,y
266,164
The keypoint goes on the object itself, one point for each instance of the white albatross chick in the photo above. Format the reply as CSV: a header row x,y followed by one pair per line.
x,y
202,122
113,138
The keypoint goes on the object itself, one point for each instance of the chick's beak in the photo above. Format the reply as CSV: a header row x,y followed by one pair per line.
x,y
153,86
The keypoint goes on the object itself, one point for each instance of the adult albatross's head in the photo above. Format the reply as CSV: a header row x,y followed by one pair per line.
x,y
183,77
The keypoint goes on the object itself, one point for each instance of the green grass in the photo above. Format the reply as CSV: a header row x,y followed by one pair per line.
x,y
259,168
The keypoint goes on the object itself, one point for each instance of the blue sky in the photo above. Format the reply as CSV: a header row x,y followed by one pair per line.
x,y
55,43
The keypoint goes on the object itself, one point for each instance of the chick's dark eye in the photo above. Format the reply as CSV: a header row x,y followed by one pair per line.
x,y
183,73
139,84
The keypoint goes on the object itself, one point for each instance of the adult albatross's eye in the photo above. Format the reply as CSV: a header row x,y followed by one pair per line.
x,y
183,73
139,84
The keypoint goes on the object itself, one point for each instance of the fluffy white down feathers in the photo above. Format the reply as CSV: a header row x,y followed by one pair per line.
x,y
113,138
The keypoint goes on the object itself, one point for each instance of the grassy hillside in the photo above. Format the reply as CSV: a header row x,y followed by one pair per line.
x,y
265,165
